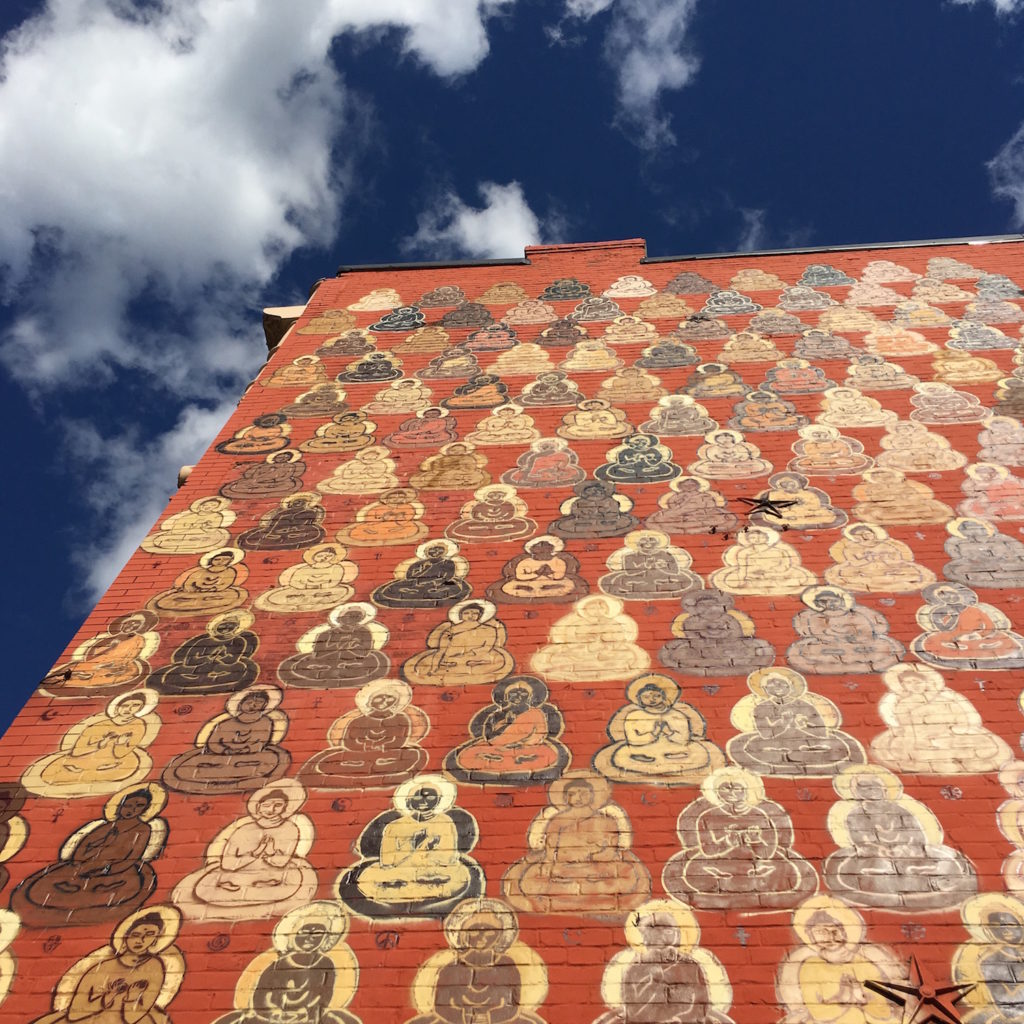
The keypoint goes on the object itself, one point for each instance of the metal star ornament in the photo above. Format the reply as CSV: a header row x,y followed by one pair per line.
x,y
923,1000
767,505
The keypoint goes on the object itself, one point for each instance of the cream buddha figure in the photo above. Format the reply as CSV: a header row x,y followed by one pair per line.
x,y
810,508
1010,819
369,471
869,372
679,416
955,367
749,347
201,527
911,447
456,467
631,385
760,562
726,456
822,450
212,587
321,580
590,355
867,560
846,407
506,425
1002,441
525,360
302,372
594,419
404,397
938,403
347,432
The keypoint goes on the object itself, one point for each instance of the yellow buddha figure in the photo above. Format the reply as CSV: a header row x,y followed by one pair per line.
x,y
912,448
753,279
502,293
331,321
867,561
301,372
526,359
992,960
847,407
590,355
200,527
664,307
1010,819
893,340
749,347
508,424
214,586
530,311
396,517
929,289
425,340
369,471
380,299
761,563
845,318
404,397
321,580
631,384
594,419
456,467
920,314
715,380
594,642
630,330
811,507
347,432
823,450
955,366
101,754
726,456
9,927
886,497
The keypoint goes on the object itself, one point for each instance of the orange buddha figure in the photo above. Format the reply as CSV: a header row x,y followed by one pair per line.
x,y
394,518
886,497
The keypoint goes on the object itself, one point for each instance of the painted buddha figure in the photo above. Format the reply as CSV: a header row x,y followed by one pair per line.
x,y
640,459
590,355
301,372
737,849
525,360
369,471
530,311
402,397
712,638
649,568
1002,441
345,651
256,867
331,321
13,836
347,432
668,353
580,859
415,858
321,580
468,648
796,377
911,447
657,738
894,340
679,416
763,411
631,385
268,433
749,347
992,960
493,337
433,578
714,380
514,739
886,497
508,424
237,751
101,754
935,402
200,527
726,456
354,342
320,402
212,587
428,428
396,517
847,407
456,467
981,556
819,345
1010,819
870,372
548,464
545,572
629,286
954,366
454,363
595,511
891,853
691,506
1010,396
373,368
495,515
278,476
294,525
823,450
760,562
813,509
869,561
630,330
483,391
376,745
992,492
960,632
103,870
551,388
788,731
218,660
594,642
594,419
425,340
562,333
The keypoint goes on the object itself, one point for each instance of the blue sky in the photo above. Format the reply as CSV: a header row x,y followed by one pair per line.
x,y
169,168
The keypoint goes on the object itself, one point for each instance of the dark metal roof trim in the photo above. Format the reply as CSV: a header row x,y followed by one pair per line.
x,y
521,261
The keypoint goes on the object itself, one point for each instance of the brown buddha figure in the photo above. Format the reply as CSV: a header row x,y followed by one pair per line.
x,y
808,508
679,416
279,475
763,411
345,651
1010,397
912,448
823,450
562,333
200,527
322,579
301,372
320,402
691,506
819,345
545,572
218,660
992,492
376,745
355,342
454,363
237,751
214,586
594,419
935,402
954,366
369,471
981,556
347,432
425,340
548,464
495,515
552,388
13,827
428,428
331,321
103,870
867,560
508,424
433,578
886,497
456,467
396,517
737,849
595,511
1002,441
295,524
580,859
268,433
714,380
726,456
649,568
483,391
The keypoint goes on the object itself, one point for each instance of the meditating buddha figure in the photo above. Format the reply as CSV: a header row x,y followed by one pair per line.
x,y
869,372
378,300
549,463
508,424
631,384
938,403
525,360
597,623
429,428
818,345
495,515
594,419
590,355
887,498
953,366
492,337
869,561
454,363
796,377
649,568
1010,395
891,853
595,511
218,660
355,342
101,754
893,340
911,447
482,391
295,524
640,459
812,508
992,960
668,354
373,368
320,402
268,433
425,340
514,739
691,506
545,572
301,372
679,416
580,859
931,729
847,407
630,330
456,467
434,577
562,333
345,651
737,849
657,738
992,492
551,388
712,638
347,432
214,586
1010,819
237,751
760,562
981,556
321,580
467,649
629,286
331,321
394,518
369,471
764,411
787,731
402,397
726,456
200,527
749,347
823,450
1002,441
376,745
278,476
13,836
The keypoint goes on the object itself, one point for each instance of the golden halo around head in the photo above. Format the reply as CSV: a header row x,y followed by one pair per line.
x,y
599,786
330,916
338,550
689,929
812,594
487,609
149,700
237,554
367,610
305,497
157,800
9,925
669,687
292,792
752,783
845,782
854,530
446,792
852,923
977,910
449,546
895,676
599,605
274,696
171,922
242,618
462,918
401,691
757,679
557,544
289,455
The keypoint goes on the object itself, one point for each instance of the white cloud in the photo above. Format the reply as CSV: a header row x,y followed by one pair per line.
x,y
754,232
1006,170
1001,6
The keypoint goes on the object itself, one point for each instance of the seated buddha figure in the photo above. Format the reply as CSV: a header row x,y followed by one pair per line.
x,y
321,580
931,729
630,330
870,372
294,525
760,562
590,355
726,456
508,424
712,638
935,402
309,975
433,578
1010,396
954,366
549,463
667,354
551,388
468,648
962,633
749,347
981,556
13,833
492,337
812,508
785,730
691,506
631,384
665,975
893,340
640,459
594,419
109,662
237,751
530,311
595,511
347,432
714,380
629,286
425,340
796,377
869,561
824,978
1002,441
594,642
486,973
837,636
376,745
891,853
354,342
369,471
737,849
268,433
214,586
911,447
394,518
545,572
887,498
649,568
454,363
456,467
301,372
256,867
847,407
278,476
344,651
657,738
1010,819
823,450
562,333
495,515
580,859
992,492
484,391
402,397
103,869
991,961
218,660
373,368
679,416
101,754
514,739
415,858
428,428
819,345
320,402
525,360
764,411
200,527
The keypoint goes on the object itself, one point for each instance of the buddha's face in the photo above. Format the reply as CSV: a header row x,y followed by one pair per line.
x,y
133,624
253,703
828,936
210,505
732,793
862,535
658,931
482,933
973,531
828,602
127,710
505,414
132,806
517,698
1004,927
323,557
648,544
869,789
431,414
435,551
494,497
472,613
353,617
778,688
653,698
280,458
141,938
919,683
579,794
310,937
383,701
708,603
458,449
542,550
220,562
592,491
789,484
271,807
726,440
423,801
225,629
